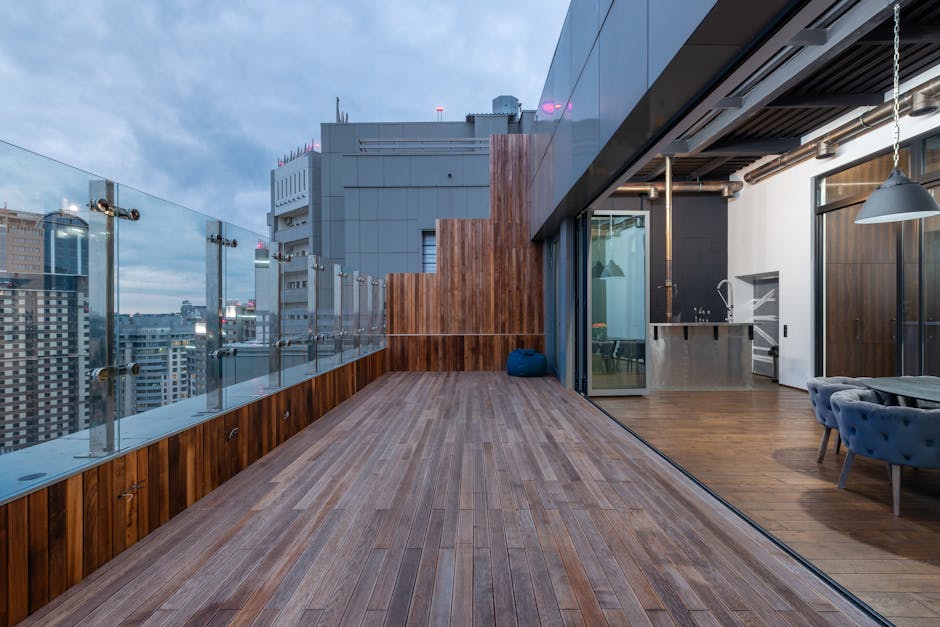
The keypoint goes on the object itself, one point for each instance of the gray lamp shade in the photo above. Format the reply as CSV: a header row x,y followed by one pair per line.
x,y
597,270
611,270
898,198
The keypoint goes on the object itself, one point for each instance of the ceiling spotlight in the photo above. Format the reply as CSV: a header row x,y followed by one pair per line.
x,y
825,149
653,193
923,104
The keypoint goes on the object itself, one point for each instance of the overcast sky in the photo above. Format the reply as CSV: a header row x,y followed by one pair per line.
x,y
194,101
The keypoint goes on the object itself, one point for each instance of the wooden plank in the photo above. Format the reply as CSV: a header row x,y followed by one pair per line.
x,y
107,499
119,504
5,570
176,478
131,505
74,532
58,541
18,559
90,521
38,541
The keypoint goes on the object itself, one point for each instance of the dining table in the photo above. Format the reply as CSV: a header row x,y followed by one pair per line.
x,y
924,388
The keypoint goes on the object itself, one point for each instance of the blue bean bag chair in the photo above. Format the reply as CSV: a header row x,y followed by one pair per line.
x,y
526,362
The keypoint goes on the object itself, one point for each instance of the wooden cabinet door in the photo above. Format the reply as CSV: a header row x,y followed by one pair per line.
x,y
861,296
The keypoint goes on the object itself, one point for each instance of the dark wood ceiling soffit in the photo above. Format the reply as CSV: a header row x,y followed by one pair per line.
x,y
859,75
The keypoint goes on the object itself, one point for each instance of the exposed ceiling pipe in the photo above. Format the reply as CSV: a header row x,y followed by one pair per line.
x,y
653,190
864,123
668,282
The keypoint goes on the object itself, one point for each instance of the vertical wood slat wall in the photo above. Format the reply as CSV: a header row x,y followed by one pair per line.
x,y
56,536
486,297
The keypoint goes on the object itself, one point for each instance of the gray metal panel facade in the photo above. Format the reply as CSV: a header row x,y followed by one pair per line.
x,y
382,188
608,56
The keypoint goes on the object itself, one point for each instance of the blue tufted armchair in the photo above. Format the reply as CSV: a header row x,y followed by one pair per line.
x,y
901,436
821,390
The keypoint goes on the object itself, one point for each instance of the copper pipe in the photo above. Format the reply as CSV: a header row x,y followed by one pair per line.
x,y
868,121
725,188
668,282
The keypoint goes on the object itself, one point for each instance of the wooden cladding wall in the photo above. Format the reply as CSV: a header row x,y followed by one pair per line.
x,y
55,537
486,297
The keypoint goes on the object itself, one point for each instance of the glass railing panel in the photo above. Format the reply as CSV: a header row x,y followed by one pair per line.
x,y
382,315
49,303
126,318
326,317
252,340
298,318
349,314
366,320
161,283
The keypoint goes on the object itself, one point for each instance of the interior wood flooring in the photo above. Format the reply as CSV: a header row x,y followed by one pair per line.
x,y
758,451
462,498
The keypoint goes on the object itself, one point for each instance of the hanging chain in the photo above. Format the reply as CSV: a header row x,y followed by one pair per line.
x,y
897,66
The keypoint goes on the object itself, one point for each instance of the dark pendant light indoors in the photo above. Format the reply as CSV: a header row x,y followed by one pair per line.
x,y
597,270
898,198
612,271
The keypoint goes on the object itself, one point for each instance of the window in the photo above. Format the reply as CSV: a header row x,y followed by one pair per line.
x,y
428,251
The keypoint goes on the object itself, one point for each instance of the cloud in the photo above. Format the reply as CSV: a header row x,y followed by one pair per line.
x,y
194,101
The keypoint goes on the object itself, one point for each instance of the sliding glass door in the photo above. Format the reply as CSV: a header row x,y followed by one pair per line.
x,y
618,303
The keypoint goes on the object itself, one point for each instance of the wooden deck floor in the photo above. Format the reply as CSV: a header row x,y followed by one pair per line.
x,y
758,451
468,498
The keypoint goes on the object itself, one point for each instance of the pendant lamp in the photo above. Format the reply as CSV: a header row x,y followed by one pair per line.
x,y
612,270
898,198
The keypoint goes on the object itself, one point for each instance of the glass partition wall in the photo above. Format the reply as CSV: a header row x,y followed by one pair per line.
x,y
126,318
877,288
618,303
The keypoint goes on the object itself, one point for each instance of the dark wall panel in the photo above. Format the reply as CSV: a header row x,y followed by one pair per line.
x,y
699,252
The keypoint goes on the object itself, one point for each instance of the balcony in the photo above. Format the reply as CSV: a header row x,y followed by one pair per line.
x,y
494,500
111,409
338,480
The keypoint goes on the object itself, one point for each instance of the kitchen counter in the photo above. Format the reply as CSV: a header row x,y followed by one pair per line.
x,y
700,356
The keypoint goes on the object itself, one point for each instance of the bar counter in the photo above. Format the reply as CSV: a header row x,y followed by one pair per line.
x,y
700,356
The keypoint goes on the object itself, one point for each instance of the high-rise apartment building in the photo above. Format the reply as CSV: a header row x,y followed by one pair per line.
x,y
44,326
160,344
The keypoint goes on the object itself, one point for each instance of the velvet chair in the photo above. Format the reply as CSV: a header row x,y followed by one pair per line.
x,y
900,436
821,390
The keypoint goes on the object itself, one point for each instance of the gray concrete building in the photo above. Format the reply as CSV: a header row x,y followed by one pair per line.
x,y
295,208
160,343
384,185
370,200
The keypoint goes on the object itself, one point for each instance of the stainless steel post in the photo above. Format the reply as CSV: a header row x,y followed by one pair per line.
x,y
101,316
214,313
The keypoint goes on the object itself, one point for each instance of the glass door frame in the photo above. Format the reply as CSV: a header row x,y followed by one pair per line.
x,y
586,277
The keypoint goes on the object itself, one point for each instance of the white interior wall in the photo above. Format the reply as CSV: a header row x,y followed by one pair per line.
x,y
770,229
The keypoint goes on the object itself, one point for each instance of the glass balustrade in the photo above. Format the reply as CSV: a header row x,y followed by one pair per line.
x,y
125,318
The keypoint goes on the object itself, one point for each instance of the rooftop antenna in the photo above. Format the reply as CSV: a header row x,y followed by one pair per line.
x,y
341,116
